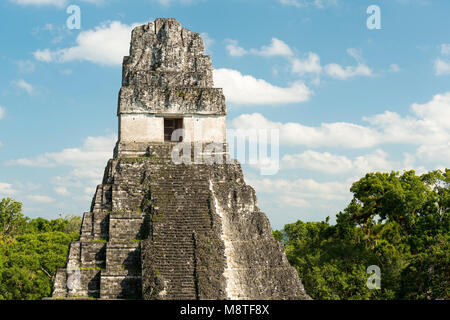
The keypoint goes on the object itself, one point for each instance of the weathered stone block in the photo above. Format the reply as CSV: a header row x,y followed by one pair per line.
x,y
125,226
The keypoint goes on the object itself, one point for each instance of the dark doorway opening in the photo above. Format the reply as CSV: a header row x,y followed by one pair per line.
x,y
170,125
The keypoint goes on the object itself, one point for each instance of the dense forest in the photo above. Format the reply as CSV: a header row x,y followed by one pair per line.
x,y
399,223
31,250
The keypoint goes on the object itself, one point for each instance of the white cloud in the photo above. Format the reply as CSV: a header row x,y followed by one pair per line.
x,y
427,125
394,68
355,53
234,49
276,48
441,67
44,55
169,2
61,191
342,134
2,115
309,65
56,3
208,42
86,164
295,202
303,188
376,161
245,89
40,199
337,164
89,191
435,153
306,3
25,66
312,160
426,128
445,49
6,189
22,84
338,72
106,44
94,153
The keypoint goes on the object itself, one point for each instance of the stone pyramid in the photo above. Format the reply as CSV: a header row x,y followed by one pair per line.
x,y
162,230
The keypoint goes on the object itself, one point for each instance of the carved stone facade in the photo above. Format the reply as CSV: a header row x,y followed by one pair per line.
x,y
161,230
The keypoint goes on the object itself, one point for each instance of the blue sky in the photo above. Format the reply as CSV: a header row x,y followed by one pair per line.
x,y
347,100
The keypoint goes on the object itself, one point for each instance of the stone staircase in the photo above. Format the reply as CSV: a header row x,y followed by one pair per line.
x,y
180,196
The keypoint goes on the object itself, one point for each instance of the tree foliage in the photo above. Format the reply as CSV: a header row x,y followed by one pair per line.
x,y
400,223
31,251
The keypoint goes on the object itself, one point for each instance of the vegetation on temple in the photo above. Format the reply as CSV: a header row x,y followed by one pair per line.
x,y
400,223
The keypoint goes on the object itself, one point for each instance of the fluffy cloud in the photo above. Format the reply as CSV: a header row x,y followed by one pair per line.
x,y
208,42
169,2
426,125
426,128
245,89
62,191
338,72
445,49
25,66
338,134
394,68
86,165
40,199
106,44
7,189
276,48
56,3
318,161
2,115
93,154
309,65
306,3
23,85
441,67
303,188
234,49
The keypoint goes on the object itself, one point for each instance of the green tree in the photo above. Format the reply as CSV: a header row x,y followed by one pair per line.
x,y
30,263
31,251
12,221
400,223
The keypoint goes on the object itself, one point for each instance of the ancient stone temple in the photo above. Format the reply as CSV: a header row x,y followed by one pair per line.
x,y
160,229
